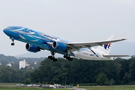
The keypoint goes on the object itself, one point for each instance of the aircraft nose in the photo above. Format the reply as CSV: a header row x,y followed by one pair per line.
x,y
7,32
11,33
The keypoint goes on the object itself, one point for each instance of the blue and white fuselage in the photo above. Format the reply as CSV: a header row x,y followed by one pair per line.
x,y
33,37
37,41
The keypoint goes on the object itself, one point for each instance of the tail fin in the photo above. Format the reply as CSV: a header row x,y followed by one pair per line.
x,y
106,48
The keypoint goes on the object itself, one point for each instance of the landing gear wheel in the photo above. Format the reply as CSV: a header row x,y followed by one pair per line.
x,y
52,58
64,56
12,44
68,57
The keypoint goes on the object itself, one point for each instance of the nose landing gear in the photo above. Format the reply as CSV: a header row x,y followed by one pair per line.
x,y
12,44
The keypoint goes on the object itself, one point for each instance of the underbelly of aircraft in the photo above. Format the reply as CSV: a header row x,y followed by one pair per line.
x,y
88,56
84,55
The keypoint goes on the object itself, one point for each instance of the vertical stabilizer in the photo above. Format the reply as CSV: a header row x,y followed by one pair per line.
x,y
106,48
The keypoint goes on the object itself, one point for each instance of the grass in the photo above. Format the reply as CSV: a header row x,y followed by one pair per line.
x,y
12,86
27,88
118,87
8,83
4,86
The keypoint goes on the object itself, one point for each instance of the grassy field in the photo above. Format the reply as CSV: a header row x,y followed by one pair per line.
x,y
27,88
12,86
119,87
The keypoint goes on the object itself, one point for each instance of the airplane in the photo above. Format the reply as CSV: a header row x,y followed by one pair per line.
x,y
37,41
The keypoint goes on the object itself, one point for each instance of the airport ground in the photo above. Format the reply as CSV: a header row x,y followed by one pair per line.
x,y
117,87
10,86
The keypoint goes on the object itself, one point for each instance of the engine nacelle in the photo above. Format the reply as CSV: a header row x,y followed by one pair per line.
x,y
32,48
59,46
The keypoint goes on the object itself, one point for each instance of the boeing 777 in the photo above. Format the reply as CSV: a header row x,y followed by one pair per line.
x,y
37,41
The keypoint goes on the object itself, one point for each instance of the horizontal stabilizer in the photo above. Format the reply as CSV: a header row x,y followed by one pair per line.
x,y
116,55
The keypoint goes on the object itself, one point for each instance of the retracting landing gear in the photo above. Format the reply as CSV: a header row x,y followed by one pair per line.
x,y
68,57
12,44
52,57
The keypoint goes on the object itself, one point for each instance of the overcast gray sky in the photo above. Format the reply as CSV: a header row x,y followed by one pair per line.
x,y
73,20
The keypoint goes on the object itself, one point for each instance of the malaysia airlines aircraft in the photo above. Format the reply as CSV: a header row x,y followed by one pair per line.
x,y
37,41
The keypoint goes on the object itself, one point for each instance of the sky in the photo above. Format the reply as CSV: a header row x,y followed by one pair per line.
x,y
72,20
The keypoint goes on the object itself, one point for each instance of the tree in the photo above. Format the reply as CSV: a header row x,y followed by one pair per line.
x,y
102,79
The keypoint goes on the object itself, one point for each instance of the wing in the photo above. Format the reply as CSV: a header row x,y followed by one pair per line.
x,y
116,55
91,44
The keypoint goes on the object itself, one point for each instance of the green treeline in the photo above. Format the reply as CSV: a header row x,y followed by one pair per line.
x,y
86,72
119,71
13,75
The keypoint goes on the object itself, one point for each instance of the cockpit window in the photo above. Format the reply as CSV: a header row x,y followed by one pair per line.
x,y
9,28
13,27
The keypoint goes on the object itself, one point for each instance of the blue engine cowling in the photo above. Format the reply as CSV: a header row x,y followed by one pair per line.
x,y
59,46
32,48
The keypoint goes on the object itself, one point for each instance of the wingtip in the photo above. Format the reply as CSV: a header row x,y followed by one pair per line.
x,y
124,39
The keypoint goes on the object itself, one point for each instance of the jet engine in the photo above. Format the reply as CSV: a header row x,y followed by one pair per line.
x,y
32,48
59,46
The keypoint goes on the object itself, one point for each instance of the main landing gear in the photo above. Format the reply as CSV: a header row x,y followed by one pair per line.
x,y
52,57
12,44
68,57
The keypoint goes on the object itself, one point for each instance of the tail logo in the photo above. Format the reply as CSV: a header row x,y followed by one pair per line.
x,y
107,46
